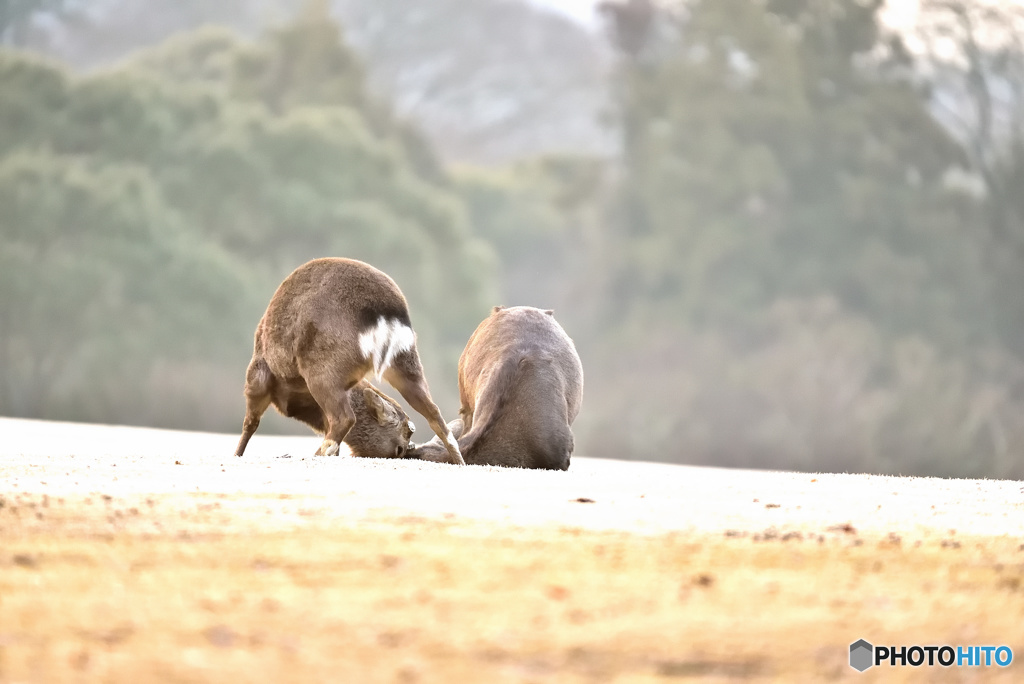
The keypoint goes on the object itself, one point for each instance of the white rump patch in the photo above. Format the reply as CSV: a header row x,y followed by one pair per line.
x,y
383,342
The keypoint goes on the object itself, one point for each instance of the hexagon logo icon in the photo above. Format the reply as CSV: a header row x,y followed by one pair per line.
x,y
861,655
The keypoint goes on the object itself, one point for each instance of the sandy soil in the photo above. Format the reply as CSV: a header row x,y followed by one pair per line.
x,y
130,555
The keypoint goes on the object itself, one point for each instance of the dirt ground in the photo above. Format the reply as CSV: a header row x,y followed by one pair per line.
x,y
131,555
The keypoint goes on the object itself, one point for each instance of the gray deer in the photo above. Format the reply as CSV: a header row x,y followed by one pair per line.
x,y
330,323
520,385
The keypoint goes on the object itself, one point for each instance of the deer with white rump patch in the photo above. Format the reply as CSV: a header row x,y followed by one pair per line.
x,y
521,386
331,323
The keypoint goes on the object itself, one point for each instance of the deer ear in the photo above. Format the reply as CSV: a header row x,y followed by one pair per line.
x,y
375,405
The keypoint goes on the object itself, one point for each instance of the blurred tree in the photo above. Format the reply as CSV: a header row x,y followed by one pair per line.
x,y
90,33
972,57
486,80
99,280
323,158
302,64
783,152
491,81
631,22
768,156
230,172
542,217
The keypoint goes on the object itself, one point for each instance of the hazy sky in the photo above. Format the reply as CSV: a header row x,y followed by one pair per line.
x,y
581,10
898,13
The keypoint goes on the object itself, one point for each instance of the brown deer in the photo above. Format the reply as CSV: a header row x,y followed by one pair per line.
x,y
330,323
520,385
381,429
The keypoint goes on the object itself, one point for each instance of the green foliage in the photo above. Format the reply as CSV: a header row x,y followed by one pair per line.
x,y
794,281
98,281
542,218
807,386
322,157
302,64
774,169
151,209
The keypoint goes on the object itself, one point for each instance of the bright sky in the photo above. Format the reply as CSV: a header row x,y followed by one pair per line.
x,y
580,10
898,13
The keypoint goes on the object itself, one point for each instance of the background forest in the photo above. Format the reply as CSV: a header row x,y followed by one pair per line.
x,y
783,233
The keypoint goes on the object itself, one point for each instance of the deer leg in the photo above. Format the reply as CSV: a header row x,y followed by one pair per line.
x,y
406,376
434,450
255,407
333,399
257,400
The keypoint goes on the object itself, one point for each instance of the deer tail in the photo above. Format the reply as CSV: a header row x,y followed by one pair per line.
x,y
383,342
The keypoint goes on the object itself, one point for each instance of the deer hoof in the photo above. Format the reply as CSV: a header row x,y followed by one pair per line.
x,y
328,448
453,451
